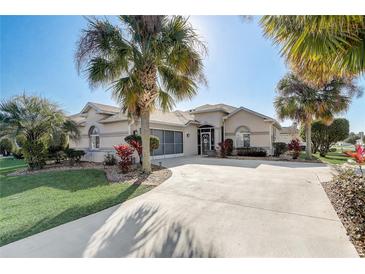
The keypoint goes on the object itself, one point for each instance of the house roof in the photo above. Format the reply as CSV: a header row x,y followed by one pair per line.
x,y
288,130
211,108
267,118
120,116
177,117
78,119
101,108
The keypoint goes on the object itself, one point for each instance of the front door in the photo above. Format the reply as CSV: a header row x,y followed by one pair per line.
x,y
205,140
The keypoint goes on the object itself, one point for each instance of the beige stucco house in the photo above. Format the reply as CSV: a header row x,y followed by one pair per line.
x,y
181,133
289,133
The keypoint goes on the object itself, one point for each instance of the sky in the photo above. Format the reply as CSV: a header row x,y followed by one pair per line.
x,y
242,67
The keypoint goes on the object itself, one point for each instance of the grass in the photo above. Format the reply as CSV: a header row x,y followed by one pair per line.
x,y
34,203
331,157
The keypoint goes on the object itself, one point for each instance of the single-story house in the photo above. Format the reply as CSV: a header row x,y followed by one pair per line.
x,y
192,132
287,134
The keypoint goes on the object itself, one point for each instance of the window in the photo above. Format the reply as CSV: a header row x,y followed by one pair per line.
x,y
171,142
94,138
242,137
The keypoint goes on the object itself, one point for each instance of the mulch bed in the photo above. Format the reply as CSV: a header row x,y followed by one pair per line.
x,y
347,194
112,173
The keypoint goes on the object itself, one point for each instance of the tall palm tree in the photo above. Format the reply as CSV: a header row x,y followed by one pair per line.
x,y
146,61
34,118
320,48
298,101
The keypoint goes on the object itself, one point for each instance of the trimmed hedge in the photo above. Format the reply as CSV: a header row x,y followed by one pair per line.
x,y
280,148
251,151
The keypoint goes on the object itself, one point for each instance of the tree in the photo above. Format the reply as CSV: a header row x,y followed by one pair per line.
x,y
351,138
38,120
146,61
324,136
320,48
6,146
300,102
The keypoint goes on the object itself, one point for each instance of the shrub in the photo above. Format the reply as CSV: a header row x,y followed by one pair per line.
x,y
294,147
280,148
35,153
222,149
56,153
251,151
135,141
18,154
74,155
110,160
20,140
154,142
125,153
225,148
358,156
6,146
229,144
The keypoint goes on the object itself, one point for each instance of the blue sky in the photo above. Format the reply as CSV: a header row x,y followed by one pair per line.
x,y
242,67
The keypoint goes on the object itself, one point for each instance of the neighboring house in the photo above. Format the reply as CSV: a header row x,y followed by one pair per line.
x,y
287,134
187,133
361,138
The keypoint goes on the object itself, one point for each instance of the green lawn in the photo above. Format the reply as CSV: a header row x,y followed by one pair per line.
x,y
331,157
34,203
8,165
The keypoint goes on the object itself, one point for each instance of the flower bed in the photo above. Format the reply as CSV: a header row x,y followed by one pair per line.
x,y
347,194
113,173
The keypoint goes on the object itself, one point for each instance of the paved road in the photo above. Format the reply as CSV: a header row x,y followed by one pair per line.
x,y
208,208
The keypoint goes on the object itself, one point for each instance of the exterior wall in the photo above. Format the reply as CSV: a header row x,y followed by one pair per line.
x,y
211,118
111,134
191,142
287,137
260,130
214,119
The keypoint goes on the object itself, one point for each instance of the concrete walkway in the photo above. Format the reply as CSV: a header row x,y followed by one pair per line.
x,y
208,208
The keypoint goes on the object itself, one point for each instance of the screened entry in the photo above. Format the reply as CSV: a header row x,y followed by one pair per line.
x,y
171,142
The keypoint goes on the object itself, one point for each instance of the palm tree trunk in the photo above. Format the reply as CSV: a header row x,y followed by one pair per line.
x,y
308,138
145,133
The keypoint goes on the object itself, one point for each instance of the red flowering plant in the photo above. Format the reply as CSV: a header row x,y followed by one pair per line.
x,y
138,147
358,156
125,153
294,147
225,148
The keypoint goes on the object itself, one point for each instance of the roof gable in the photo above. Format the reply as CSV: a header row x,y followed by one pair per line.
x,y
266,118
211,108
100,108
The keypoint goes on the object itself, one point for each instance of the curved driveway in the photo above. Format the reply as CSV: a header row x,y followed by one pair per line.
x,y
209,208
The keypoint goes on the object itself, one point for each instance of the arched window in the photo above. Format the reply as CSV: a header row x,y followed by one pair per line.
x,y
94,139
242,137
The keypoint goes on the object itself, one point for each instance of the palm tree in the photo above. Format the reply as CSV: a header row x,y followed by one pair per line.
x,y
320,48
35,118
298,101
146,61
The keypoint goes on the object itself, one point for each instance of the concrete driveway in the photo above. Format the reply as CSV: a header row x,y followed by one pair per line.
x,y
209,208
